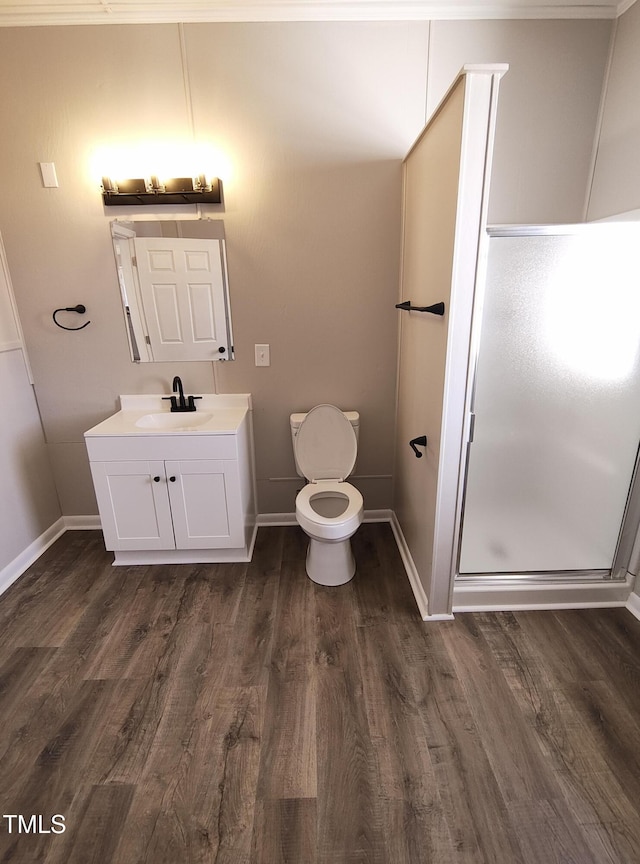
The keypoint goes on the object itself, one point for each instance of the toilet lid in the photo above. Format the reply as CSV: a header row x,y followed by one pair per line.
x,y
326,445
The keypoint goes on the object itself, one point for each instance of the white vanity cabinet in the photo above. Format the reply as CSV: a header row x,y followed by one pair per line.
x,y
175,495
186,504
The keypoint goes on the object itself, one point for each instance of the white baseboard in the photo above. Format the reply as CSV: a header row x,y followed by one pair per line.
x,y
412,573
275,519
378,515
15,569
633,604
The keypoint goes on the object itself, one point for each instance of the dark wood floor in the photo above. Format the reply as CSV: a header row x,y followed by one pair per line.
x,y
240,713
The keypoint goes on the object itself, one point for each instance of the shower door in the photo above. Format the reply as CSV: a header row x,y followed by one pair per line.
x,y
556,402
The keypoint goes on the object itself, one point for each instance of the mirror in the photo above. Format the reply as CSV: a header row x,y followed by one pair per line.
x,y
174,289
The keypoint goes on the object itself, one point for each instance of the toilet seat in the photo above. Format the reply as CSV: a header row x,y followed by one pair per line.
x,y
326,527
326,445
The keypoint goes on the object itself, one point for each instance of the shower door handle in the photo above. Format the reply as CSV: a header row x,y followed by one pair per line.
x,y
418,442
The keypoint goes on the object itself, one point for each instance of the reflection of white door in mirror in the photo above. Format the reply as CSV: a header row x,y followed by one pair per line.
x,y
173,282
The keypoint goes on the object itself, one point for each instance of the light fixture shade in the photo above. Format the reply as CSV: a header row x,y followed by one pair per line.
x,y
134,186
179,184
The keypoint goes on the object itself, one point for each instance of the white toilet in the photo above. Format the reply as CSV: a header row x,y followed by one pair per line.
x,y
329,510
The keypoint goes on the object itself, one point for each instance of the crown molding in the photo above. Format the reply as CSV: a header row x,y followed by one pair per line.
x,y
33,13
623,6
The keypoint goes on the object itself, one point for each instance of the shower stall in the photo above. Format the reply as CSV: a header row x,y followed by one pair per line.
x,y
518,403
548,488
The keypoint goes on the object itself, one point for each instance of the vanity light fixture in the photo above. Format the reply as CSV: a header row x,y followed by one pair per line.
x,y
177,190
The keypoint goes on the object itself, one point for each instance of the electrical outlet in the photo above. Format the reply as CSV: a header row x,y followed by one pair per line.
x,y
263,355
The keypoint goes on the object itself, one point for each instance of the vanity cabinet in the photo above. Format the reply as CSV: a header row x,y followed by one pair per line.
x,y
175,495
183,504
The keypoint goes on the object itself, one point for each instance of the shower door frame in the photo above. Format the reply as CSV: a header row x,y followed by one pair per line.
x,y
630,525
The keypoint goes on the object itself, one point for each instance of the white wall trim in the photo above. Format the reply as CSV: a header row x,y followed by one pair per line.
x,y
622,7
412,573
30,13
627,216
19,342
378,515
599,121
10,346
633,604
15,569
275,519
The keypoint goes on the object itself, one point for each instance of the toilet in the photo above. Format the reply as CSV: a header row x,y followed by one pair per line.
x,y
328,509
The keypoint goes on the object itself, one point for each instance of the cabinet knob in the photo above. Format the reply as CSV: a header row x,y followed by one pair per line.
x,y
173,479
156,479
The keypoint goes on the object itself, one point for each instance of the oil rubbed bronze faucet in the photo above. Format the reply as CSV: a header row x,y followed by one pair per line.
x,y
179,402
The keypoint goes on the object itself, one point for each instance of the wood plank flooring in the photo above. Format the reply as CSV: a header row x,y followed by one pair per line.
x,y
240,714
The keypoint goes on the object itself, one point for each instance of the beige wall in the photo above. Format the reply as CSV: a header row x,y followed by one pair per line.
x,y
548,108
616,182
28,503
315,119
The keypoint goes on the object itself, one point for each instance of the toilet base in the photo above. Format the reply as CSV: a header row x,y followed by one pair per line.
x,y
330,563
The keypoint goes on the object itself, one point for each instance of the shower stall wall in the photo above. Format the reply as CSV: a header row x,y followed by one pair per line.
x,y
445,196
555,405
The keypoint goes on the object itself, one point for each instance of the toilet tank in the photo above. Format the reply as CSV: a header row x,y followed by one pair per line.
x,y
296,419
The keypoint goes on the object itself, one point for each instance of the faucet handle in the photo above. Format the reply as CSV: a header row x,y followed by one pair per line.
x,y
173,400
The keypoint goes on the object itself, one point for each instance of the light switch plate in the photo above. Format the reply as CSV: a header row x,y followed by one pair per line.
x,y
263,355
49,176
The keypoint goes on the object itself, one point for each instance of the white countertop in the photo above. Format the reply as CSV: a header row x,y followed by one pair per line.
x,y
225,411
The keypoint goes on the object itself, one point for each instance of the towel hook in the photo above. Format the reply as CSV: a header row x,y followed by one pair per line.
x,y
80,309
436,309
421,441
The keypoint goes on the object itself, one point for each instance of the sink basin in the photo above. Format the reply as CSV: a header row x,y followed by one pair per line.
x,y
173,421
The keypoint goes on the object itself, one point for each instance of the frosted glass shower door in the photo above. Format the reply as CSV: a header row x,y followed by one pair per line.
x,y
556,403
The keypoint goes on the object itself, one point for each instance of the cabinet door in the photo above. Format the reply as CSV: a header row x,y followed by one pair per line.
x,y
205,503
134,506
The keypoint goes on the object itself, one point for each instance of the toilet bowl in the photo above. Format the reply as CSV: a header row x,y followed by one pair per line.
x,y
328,509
